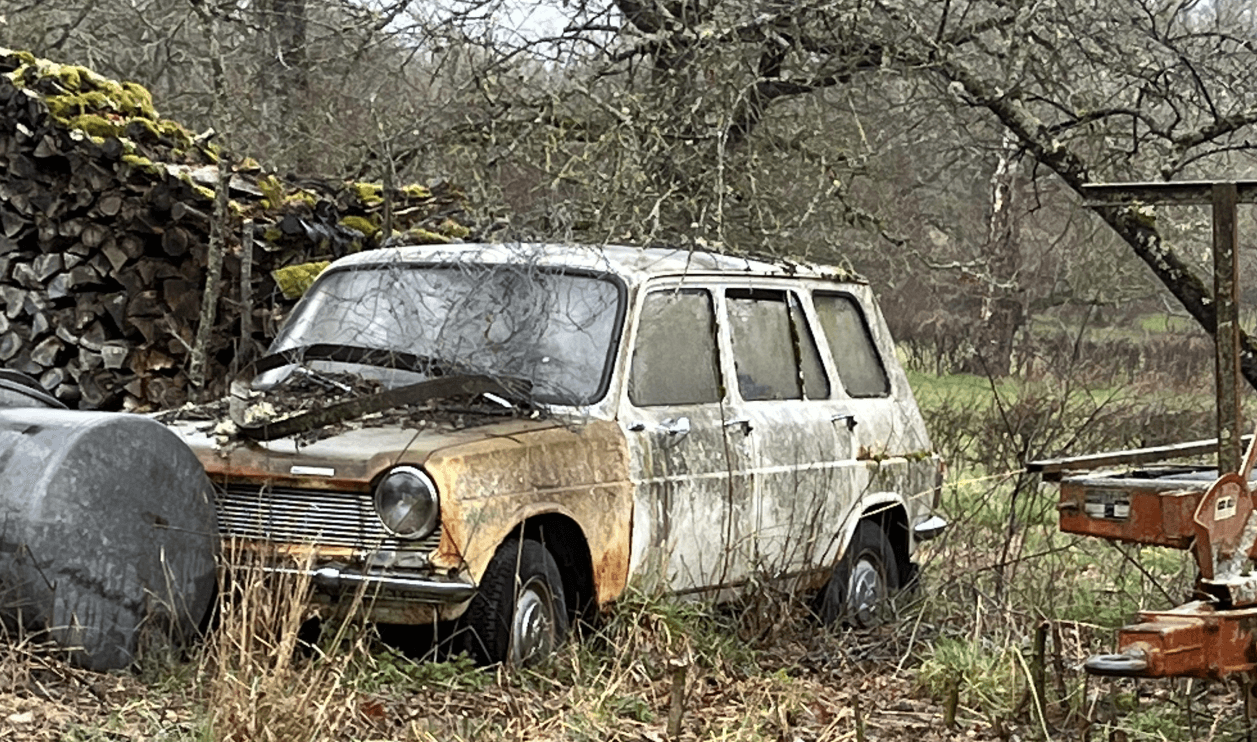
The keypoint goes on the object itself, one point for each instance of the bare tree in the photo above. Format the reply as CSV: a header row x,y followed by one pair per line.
x,y
826,130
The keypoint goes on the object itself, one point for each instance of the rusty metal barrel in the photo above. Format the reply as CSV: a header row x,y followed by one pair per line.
x,y
107,532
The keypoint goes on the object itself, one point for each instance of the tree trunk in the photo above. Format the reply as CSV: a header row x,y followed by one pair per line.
x,y
1001,314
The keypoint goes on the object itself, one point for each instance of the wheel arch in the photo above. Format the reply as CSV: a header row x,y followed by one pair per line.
x,y
891,515
889,512
563,537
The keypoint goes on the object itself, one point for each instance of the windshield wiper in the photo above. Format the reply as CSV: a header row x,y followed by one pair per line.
x,y
355,354
449,386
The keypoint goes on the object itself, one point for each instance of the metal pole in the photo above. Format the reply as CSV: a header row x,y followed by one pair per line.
x,y
1227,331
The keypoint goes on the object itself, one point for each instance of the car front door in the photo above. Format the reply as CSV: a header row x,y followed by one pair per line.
x,y
690,456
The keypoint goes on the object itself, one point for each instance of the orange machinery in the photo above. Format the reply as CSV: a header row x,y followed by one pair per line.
x,y
1125,496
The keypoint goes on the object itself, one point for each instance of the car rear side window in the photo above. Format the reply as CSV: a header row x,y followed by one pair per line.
x,y
773,350
675,359
860,368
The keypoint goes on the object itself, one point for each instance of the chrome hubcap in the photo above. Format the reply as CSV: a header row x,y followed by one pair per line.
x,y
532,630
865,592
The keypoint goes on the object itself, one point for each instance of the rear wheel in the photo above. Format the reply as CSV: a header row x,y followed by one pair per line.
x,y
862,581
519,614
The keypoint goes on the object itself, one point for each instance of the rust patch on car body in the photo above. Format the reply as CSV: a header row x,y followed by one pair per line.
x,y
578,472
491,478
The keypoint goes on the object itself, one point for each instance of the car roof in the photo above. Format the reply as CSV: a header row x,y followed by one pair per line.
x,y
632,263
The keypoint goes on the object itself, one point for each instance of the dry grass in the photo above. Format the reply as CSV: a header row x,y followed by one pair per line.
x,y
257,679
964,647
253,679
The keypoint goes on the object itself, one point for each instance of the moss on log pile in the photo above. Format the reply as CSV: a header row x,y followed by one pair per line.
x,y
104,223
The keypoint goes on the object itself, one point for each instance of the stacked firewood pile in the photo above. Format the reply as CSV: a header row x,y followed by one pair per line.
x,y
105,217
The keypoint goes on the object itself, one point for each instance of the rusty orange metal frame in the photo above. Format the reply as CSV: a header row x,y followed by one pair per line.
x,y
1194,640
1211,638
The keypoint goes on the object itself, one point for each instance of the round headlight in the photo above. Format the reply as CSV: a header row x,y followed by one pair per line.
x,y
406,502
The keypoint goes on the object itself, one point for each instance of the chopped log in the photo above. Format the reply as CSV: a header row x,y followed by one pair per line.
x,y
10,344
114,355
94,234
175,241
93,339
59,286
109,204
144,304
45,266
71,228
117,258
131,245
26,277
12,223
45,354
13,298
39,324
64,332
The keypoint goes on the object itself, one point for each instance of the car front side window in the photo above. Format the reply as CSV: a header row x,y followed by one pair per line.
x,y
675,358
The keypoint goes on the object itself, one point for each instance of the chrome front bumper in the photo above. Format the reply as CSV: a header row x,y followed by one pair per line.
x,y
410,588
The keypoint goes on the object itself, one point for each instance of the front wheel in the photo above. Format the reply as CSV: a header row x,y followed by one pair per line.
x,y
863,579
519,614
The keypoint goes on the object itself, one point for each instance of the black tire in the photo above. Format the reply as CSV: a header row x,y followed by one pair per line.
x,y
517,621
862,581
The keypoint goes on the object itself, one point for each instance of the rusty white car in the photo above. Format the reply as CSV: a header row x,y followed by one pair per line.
x,y
507,437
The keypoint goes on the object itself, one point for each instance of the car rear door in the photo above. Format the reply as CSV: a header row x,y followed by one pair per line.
x,y
800,430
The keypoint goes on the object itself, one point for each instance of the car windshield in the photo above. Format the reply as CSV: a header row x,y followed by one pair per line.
x,y
552,329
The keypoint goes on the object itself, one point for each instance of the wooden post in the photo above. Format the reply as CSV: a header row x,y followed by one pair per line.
x,y
246,287
1038,670
1227,332
676,701
209,300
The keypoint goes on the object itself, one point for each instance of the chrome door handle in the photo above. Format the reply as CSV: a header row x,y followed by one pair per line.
x,y
675,427
847,417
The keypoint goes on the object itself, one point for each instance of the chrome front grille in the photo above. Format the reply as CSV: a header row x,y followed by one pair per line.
x,y
292,515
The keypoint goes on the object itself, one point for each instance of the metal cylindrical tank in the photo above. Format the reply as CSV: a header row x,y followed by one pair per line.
x,y
107,531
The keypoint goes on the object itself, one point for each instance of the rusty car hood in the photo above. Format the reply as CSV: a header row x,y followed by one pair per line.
x,y
346,460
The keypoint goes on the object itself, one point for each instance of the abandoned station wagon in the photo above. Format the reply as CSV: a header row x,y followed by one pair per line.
x,y
510,435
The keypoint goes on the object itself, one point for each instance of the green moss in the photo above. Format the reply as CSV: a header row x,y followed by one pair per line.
x,y
25,58
272,191
369,193
146,126
301,198
361,224
273,234
64,107
175,132
93,125
454,229
71,78
141,163
424,237
137,101
416,191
